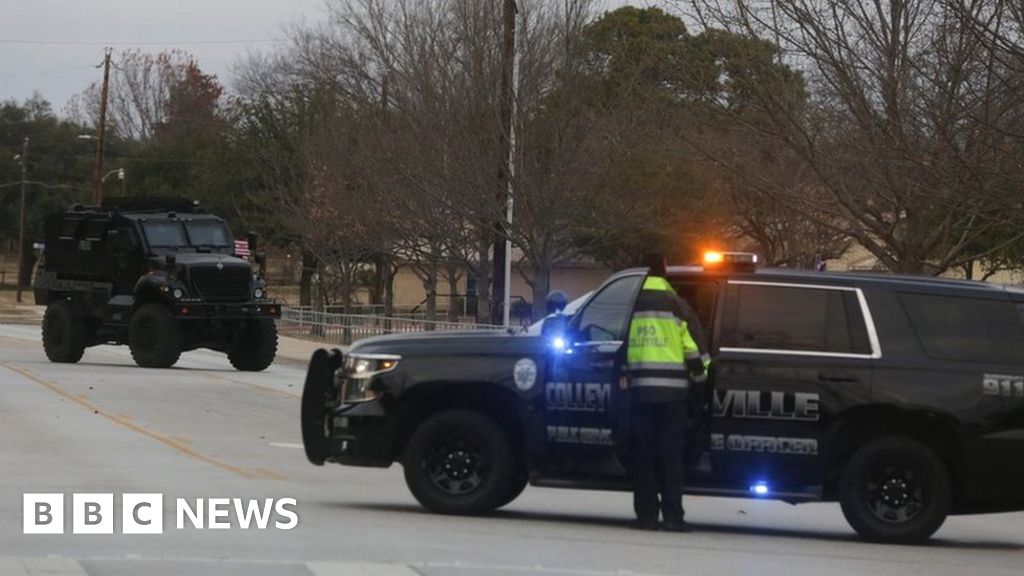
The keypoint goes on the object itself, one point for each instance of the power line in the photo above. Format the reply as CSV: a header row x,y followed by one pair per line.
x,y
44,185
129,43
43,72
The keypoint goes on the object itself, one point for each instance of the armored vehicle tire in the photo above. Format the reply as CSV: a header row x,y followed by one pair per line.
x,y
154,337
64,336
895,490
460,462
255,346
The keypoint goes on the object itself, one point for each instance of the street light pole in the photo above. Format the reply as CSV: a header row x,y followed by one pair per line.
x,y
511,170
21,217
501,263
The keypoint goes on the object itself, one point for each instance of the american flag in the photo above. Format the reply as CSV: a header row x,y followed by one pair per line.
x,y
242,249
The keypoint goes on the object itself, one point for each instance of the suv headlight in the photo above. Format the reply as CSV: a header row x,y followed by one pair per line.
x,y
359,372
258,293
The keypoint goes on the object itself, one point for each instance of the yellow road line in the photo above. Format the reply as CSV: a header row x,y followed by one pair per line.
x,y
165,440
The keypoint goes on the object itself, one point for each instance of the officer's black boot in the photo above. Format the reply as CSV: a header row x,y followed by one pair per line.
x,y
676,525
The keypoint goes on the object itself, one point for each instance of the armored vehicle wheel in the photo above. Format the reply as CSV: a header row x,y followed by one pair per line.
x,y
460,462
255,347
154,337
895,490
64,336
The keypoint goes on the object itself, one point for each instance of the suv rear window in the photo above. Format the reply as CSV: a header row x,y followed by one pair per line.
x,y
966,329
799,319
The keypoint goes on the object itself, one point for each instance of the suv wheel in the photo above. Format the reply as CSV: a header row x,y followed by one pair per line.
x,y
460,462
516,489
65,336
316,397
895,490
255,346
154,337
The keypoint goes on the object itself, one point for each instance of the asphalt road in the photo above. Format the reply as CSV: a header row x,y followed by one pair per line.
x,y
203,430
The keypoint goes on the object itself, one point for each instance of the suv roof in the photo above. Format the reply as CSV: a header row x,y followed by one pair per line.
x,y
859,278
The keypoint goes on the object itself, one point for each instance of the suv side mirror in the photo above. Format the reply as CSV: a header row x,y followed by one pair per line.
x,y
555,331
171,260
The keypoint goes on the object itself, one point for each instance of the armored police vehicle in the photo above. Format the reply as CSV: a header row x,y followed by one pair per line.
x,y
902,398
159,275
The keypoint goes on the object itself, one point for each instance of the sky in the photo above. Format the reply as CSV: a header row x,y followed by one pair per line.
x,y
54,46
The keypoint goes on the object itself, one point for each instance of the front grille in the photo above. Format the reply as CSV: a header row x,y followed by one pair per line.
x,y
230,284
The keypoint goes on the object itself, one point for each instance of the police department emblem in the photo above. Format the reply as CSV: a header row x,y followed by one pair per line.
x,y
525,374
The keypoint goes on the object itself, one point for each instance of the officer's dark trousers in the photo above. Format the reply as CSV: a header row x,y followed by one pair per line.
x,y
658,439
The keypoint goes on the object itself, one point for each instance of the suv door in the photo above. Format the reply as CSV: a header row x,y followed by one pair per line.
x,y
582,384
790,357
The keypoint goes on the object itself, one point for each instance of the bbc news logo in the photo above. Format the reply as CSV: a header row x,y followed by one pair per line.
x,y
144,514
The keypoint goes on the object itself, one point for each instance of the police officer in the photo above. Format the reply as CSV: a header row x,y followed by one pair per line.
x,y
665,352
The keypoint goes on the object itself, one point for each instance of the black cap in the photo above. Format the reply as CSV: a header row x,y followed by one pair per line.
x,y
655,263
556,301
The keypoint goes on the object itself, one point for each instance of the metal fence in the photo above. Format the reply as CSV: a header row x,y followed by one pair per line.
x,y
346,328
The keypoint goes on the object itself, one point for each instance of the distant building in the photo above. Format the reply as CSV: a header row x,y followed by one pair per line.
x,y
858,258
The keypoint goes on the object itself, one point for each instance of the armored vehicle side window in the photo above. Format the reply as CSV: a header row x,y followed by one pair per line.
x,y
605,316
805,319
966,329
167,234
121,240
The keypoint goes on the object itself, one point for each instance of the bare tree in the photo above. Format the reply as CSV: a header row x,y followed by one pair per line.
x,y
894,129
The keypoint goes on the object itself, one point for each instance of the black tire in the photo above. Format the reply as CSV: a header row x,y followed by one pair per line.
x,y
154,337
255,346
65,336
895,490
460,462
316,395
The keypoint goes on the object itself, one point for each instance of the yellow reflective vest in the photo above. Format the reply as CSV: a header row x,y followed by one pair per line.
x,y
662,354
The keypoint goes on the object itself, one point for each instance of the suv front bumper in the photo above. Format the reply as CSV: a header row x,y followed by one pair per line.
x,y
359,435
228,311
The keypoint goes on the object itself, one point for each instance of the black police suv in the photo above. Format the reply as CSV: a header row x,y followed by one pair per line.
x,y
902,398
159,275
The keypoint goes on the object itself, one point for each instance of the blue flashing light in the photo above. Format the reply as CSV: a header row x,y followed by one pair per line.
x,y
760,488
558,343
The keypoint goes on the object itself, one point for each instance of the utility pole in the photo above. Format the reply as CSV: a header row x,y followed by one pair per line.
x,y
501,261
97,192
21,217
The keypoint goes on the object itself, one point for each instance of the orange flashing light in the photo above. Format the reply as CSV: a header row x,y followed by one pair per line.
x,y
712,257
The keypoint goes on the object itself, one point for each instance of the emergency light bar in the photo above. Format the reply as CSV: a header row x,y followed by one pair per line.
x,y
730,260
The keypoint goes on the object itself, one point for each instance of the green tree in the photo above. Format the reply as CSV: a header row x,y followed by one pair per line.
x,y
58,166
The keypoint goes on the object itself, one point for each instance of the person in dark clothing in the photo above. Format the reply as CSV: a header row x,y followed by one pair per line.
x,y
666,351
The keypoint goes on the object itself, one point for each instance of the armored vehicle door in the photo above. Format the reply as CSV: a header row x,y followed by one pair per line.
x,y
126,256
790,357
582,402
